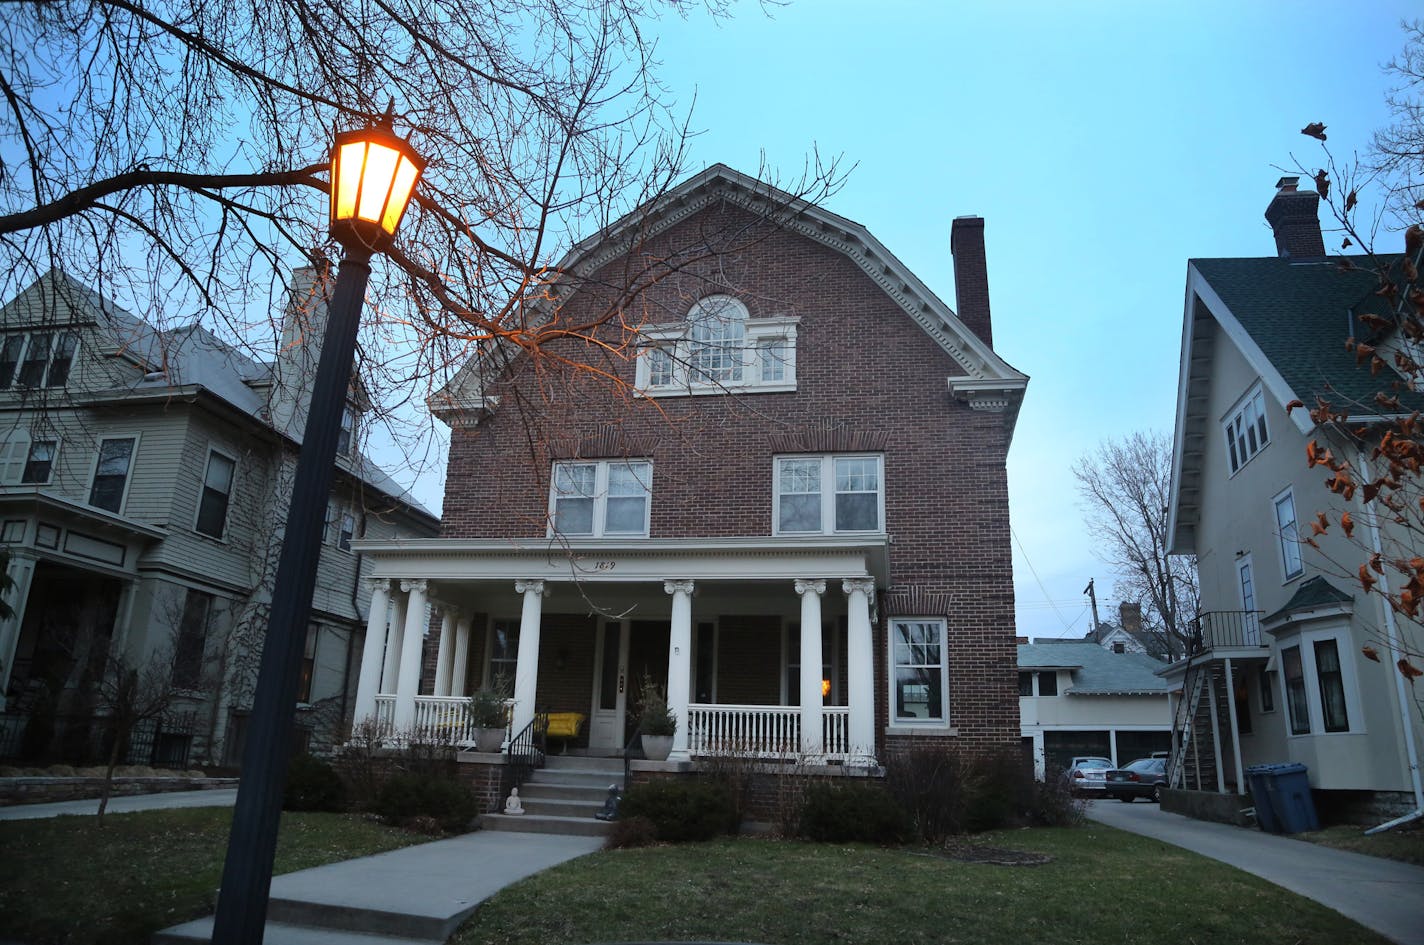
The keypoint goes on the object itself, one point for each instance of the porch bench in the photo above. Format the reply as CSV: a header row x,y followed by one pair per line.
x,y
565,725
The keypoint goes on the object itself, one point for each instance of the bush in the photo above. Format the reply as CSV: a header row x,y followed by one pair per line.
x,y
681,811
405,797
631,832
950,793
846,813
312,784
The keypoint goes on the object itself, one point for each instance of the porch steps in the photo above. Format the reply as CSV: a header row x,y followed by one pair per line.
x,y
562,797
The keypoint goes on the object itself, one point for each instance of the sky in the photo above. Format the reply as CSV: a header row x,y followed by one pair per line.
x,y
1104,143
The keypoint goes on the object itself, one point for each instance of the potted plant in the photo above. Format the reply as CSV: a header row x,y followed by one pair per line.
x,y
488,711
659,723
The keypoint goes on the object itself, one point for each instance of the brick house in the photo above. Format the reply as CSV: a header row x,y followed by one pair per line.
x,y
801,434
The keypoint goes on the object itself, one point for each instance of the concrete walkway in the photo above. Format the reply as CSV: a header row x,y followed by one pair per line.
x,y
1380,894
222,797
418,894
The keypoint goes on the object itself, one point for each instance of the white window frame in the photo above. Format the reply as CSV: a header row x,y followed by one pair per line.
x,y
128,474
348,427
1250,599
487,671
1244,425
759,335
53,463
909,723
203,487
600,497
1289,536
828,495
346,515
56,336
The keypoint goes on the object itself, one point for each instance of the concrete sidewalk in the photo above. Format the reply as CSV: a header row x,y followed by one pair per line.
x,y
1380,894
418,894
222,797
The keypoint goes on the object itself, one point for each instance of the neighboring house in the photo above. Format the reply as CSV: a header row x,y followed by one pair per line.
x,y
143,482
809,437
1128,635
1280,673
1083,698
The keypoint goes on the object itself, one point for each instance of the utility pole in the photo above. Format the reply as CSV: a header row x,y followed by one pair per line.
x,y
1093,597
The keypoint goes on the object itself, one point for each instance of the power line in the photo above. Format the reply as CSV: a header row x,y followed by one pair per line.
x,y
1039,581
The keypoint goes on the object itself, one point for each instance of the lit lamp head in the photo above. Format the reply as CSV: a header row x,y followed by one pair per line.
x,y
373,176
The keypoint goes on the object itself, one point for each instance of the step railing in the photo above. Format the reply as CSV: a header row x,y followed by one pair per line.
x,y
524,754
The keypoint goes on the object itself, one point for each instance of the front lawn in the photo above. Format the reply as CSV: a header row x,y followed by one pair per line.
x,y
1405,844
63,880
1103,885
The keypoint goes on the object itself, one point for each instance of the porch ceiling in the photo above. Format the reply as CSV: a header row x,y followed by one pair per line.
x,y
627,561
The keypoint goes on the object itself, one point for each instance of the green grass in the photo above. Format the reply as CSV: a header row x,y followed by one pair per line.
x,y
1102,886
64,880
1405,844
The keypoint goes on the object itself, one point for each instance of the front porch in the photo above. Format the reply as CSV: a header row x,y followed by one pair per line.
x,y
578,629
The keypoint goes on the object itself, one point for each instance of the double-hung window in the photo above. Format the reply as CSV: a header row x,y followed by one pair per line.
x,y
1332,686
347,433
604,498
191,641
829,495
719,348
1293,674
217,492
39,462
1245,429
37,359
503,652
1289,534
919,681
111,472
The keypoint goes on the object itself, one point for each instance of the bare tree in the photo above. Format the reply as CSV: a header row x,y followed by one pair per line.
x,y
1126,487
128,695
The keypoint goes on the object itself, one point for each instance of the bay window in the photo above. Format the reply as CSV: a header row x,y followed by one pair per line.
x,y
829,495
603,498
1332,686
1293,675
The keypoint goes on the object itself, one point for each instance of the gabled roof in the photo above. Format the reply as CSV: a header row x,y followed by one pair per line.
x,y
986,375
1096,671
1289,319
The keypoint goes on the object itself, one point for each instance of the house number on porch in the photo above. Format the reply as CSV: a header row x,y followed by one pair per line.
x,y
604,565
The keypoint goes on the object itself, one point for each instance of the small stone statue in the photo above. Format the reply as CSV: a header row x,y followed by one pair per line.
x,y
610,805
513,806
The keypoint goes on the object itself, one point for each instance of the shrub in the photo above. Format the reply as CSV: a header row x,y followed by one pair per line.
x,y
405,797
681,811
846,813
631,832
312,784
950,793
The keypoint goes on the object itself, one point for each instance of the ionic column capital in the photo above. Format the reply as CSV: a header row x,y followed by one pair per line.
x,y
421,586
678,587
804,587
379,584
534,587
455,614
865,585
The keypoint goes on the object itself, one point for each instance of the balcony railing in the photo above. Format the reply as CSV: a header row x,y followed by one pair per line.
x,y
1218,629
763,731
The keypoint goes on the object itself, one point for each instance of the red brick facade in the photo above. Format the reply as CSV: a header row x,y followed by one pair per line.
x,y
868,378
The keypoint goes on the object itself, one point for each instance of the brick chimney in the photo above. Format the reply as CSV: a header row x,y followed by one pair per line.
x,y
971,276
1129,616
1294,217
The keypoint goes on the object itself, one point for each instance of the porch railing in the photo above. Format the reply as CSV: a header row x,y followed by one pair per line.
x,y
385,713
439,719
1226,628
763,731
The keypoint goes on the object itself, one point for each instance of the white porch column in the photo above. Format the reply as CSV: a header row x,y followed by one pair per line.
x,y
462,653
860,668
444,654
1235,730
526,667
408,684
369,679
679,687
1215,733
812,734
390,672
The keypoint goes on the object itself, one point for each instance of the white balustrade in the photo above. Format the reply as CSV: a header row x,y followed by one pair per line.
x,y
385,713
763,731
443,719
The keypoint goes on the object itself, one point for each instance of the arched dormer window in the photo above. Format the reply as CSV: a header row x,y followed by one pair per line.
x,y
719,348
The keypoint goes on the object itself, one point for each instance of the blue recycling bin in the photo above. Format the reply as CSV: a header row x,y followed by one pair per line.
x,y
1286,789
1265,815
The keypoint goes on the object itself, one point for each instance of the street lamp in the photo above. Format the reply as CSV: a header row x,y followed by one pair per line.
x,y
373,175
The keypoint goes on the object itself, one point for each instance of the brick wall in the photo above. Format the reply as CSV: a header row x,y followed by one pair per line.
x,y
867,377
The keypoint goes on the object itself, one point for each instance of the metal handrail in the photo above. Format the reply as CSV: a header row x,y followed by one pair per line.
x,y
628,757
525,751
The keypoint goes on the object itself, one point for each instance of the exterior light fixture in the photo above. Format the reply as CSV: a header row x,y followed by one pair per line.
x,y
373,176
825,688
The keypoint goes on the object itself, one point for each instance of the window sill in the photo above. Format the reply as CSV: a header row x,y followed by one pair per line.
x,y
707,390
928,729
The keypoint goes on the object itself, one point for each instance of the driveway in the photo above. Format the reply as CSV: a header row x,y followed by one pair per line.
x,y
1380,894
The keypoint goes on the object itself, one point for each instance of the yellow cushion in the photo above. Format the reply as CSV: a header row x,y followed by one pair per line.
x,y
565,724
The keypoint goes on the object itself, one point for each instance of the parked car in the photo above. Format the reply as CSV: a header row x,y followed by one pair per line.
x,y
1145,777
1086,775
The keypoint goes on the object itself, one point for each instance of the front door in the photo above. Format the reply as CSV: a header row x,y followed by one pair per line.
x,y
628,651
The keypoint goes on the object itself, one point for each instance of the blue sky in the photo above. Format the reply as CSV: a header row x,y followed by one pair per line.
x,y
1104,143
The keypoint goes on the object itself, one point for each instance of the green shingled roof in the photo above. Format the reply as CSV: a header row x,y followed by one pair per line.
x,y
1300,313
1096,670
1316,592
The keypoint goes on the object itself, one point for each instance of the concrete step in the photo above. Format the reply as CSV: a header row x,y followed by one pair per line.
x,y
281,933
540,823
574,778
536,805
583,763
563,792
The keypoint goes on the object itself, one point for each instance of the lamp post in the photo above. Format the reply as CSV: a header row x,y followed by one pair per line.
x,y
373,175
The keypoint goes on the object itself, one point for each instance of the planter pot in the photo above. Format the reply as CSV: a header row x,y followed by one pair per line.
x,y
489,739
657,747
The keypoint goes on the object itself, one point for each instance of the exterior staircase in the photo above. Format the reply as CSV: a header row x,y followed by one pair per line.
x,y
562,797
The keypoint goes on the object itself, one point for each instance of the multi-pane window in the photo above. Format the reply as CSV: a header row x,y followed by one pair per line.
x,y
829,494
504,653
191,641
719,347
1245,430
1332,686
37,359
717,335
217,492
1293,674
1289,534
346,531
919,673
603,498
347,432
111,473
1250,627
39,462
